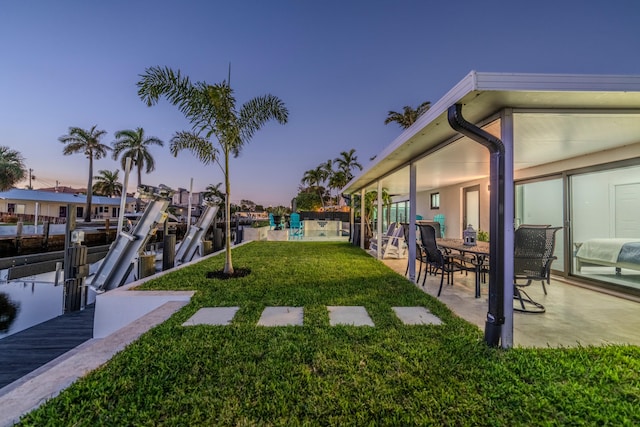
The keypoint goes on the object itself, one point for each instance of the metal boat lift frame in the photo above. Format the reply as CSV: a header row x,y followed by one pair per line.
x,y
193,240
117,265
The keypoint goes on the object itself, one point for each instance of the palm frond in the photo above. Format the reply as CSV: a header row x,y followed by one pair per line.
x,y
258,111
200,147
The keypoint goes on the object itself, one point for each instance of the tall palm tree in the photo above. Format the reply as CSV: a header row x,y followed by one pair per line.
x,y
12,169
135,145
107,183
408,115
347,162
211,109
88,143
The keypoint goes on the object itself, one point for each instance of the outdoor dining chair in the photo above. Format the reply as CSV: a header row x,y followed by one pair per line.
x,y
532,259
438,260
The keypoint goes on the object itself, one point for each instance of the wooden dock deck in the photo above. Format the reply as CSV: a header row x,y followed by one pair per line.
x,y
26,351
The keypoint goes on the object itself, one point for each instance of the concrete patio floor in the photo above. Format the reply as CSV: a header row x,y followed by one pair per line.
x,y
575,315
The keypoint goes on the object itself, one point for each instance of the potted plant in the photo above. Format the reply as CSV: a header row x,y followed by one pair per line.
x,y
278,212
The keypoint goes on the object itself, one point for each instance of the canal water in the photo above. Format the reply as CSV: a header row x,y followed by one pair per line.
x,y
26,303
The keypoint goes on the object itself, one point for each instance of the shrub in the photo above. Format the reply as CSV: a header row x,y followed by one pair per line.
x,y
258,224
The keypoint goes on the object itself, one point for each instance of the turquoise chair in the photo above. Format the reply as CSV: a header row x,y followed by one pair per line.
x,y
295,226
272,223
440,219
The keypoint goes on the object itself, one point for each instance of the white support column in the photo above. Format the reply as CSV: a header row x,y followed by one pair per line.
x,y
352,217
506,136
189,205
412,222
379,222
362,213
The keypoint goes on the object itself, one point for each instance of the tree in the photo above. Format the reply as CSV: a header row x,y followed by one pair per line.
x,y
134,145
213,192
371,204
338,180
248,205
211,109
12,169
313,178
88,143
408,115
306,201
107,183
347,162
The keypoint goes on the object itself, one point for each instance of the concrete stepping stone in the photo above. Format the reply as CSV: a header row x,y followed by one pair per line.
x,y
281,316
349,315
416,316
212,316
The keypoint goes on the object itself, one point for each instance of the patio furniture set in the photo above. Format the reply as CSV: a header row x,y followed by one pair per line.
x,y
533,256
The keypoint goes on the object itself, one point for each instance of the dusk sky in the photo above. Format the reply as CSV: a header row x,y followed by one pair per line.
x,y
339,66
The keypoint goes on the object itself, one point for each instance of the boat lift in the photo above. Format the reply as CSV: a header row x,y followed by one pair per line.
x,y
192,241
117,265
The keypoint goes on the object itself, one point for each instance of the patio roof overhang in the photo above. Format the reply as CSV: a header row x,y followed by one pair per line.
x,y
548,118
556,117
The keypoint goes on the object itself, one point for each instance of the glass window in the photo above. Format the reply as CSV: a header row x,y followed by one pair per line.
x,y
605,232
435,200
541,203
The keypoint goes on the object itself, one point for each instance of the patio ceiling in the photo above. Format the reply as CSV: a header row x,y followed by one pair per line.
x,y
555,118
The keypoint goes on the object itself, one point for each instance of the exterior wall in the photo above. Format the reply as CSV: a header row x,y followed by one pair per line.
x,y
451,206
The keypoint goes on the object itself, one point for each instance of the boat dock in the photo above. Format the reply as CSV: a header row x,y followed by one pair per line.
x,y
28,350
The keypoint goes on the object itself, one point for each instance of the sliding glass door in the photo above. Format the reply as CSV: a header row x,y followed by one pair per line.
x,y
541,203
605,219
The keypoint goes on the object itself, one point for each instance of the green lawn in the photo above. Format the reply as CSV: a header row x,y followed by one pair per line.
x,y
316,374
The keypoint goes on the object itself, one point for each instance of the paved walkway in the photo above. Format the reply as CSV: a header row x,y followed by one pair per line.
x,y
294,316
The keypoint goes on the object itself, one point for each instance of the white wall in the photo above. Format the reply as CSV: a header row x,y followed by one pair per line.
x,y
451,206
591,201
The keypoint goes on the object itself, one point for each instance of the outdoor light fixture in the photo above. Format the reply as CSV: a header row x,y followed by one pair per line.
x,y
469,235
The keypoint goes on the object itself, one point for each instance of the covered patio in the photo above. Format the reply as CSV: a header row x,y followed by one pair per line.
x,y
495,137
575,316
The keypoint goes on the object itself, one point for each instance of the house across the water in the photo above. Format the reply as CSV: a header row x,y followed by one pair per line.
x,y
52,206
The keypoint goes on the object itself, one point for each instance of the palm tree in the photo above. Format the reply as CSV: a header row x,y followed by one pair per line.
x,y
107,183
214,192
313,178
12,169
88,143
347,162
134,144
211,109
408,115
338,180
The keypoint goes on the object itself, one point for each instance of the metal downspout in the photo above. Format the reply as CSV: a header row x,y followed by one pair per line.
x,y
495,314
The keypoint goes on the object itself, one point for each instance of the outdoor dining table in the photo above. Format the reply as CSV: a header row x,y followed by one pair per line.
x,y
479,254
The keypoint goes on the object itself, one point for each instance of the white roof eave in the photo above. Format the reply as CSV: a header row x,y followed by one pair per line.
x,y
484,94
